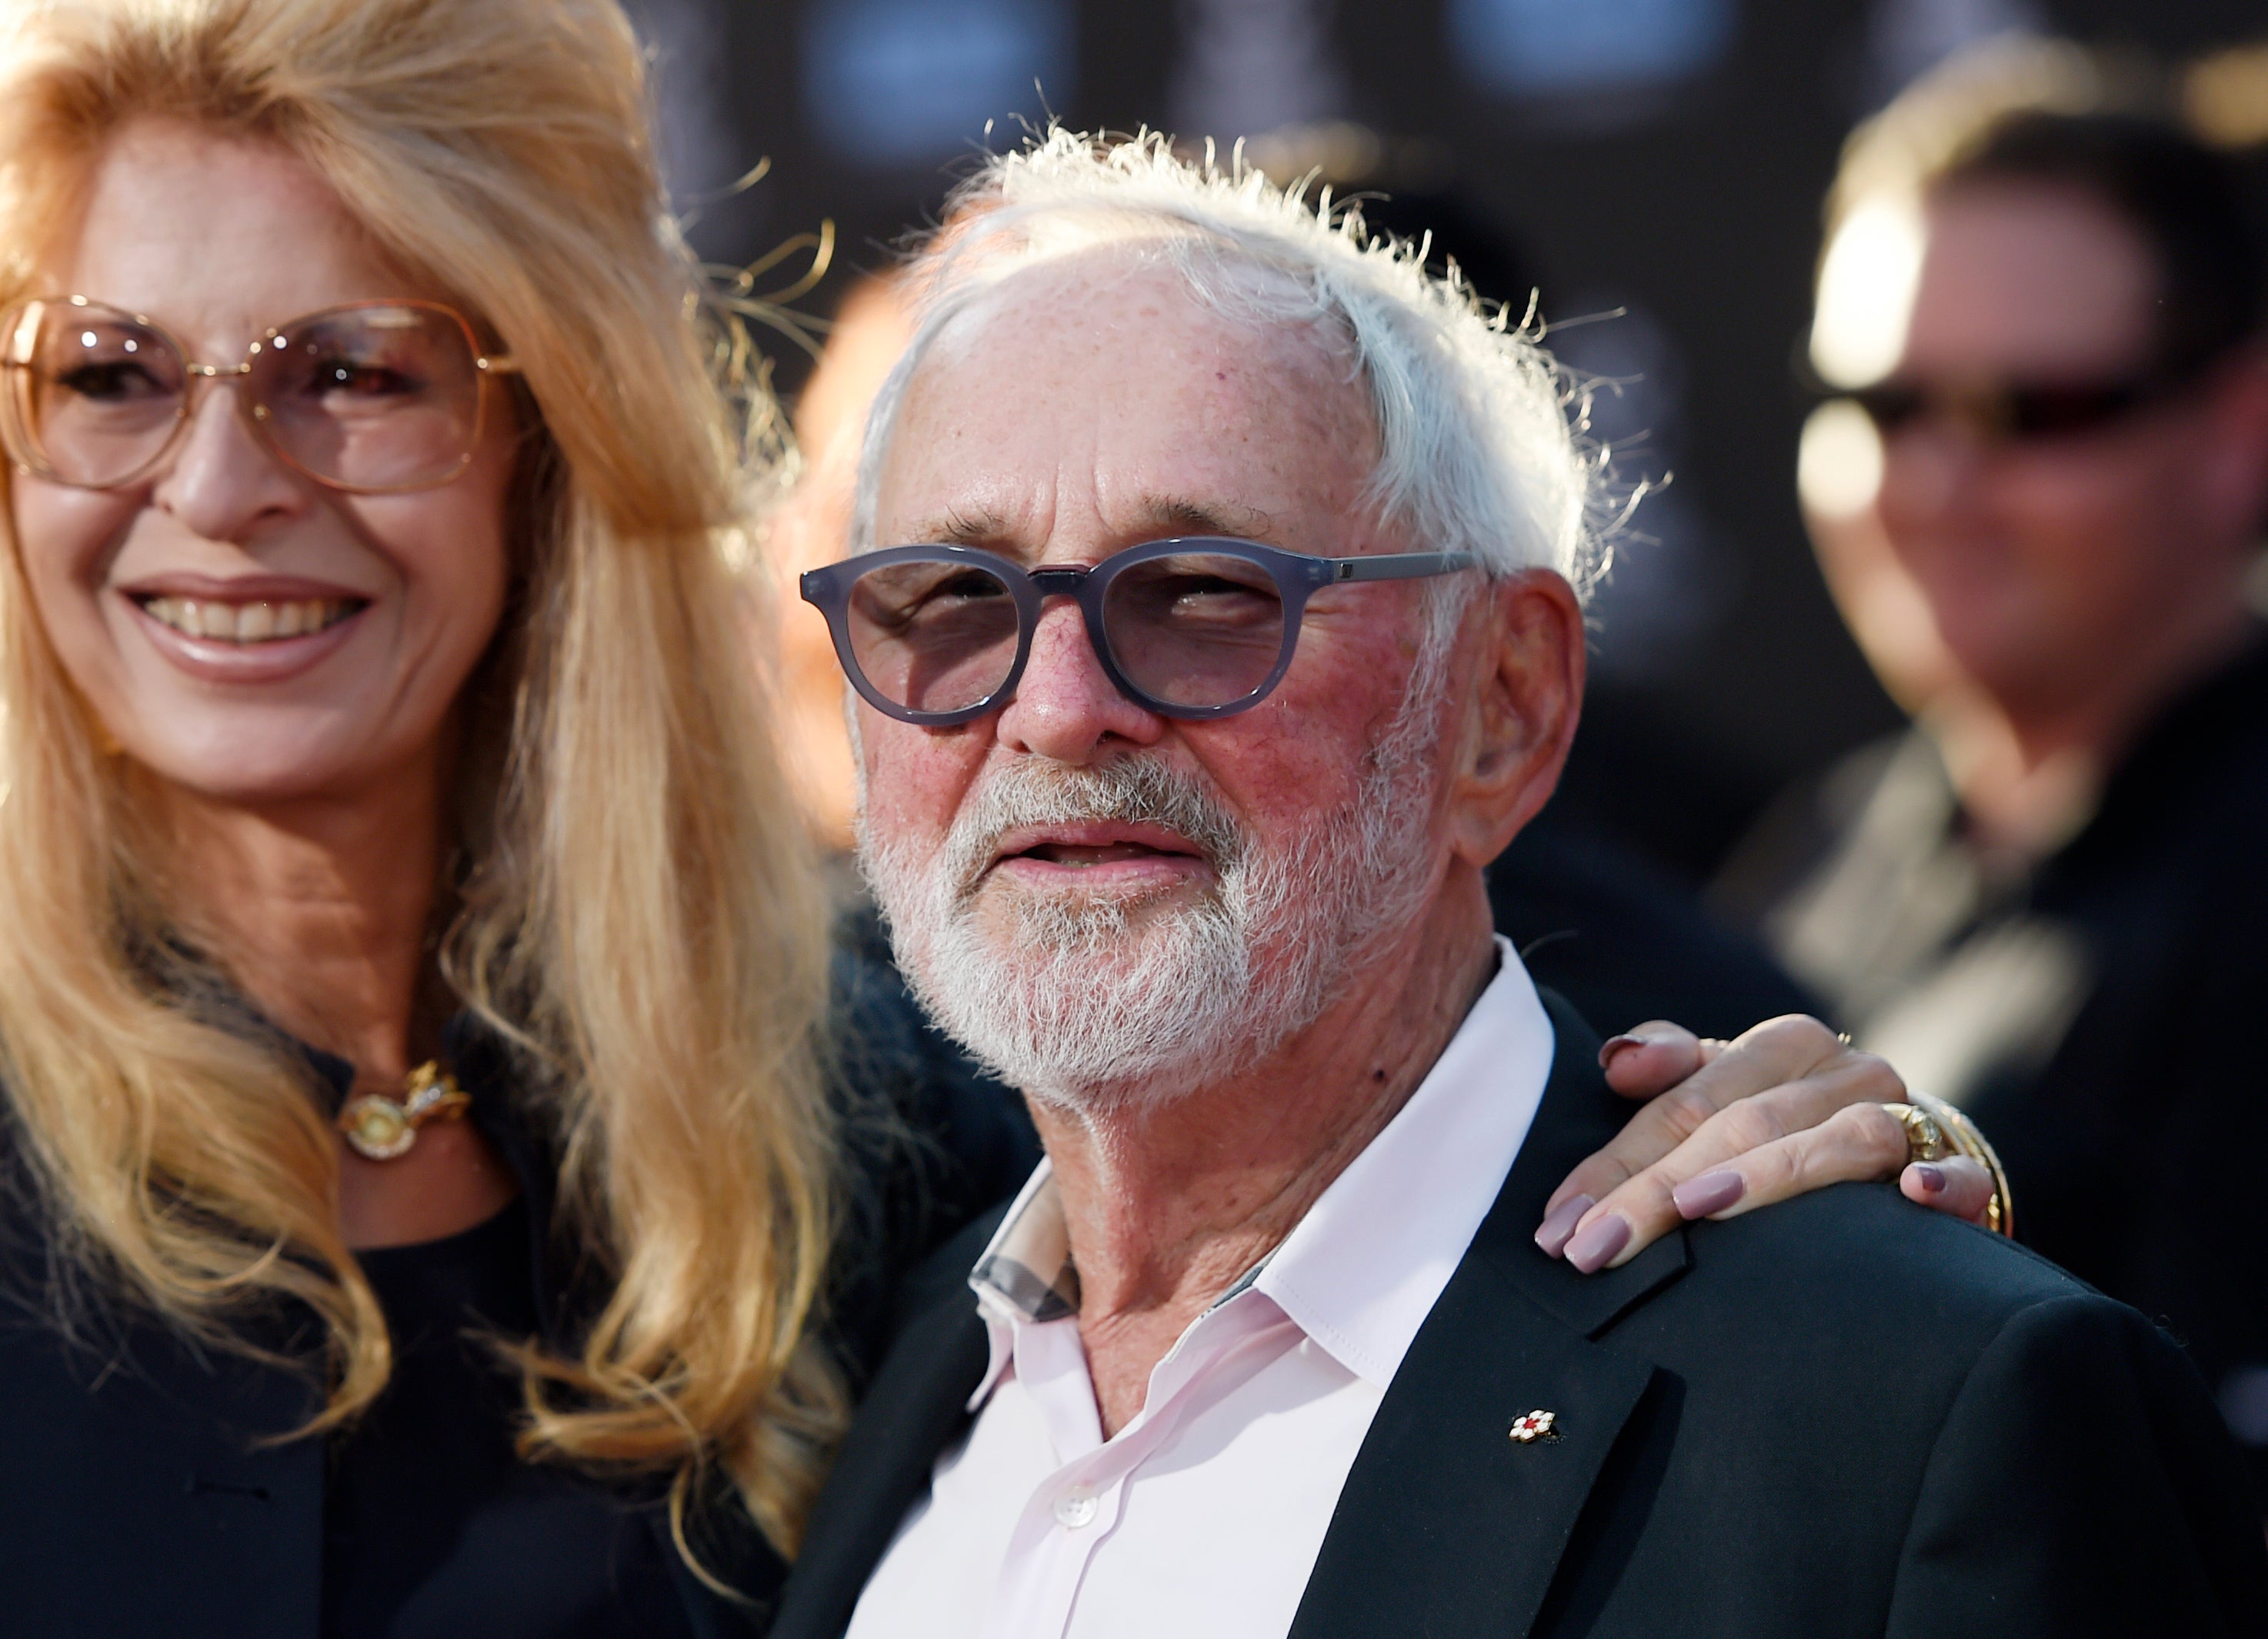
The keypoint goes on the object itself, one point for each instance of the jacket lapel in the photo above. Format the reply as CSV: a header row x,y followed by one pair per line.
x,y
1447,1524
917,1405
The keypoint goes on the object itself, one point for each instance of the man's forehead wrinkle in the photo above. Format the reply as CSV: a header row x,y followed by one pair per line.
x,y
1154,517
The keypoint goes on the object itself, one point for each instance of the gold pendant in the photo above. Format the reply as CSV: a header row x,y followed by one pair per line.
x,y
380,1128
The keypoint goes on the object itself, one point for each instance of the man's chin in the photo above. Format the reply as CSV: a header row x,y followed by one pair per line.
x,y
1100,919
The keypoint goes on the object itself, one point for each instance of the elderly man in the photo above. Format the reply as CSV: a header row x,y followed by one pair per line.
x,y
1234,635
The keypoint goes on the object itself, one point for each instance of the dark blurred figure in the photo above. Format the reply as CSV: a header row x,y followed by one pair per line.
x,y
2039,509
1625,940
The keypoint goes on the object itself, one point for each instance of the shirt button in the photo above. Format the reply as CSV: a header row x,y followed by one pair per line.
x,y
1076,1508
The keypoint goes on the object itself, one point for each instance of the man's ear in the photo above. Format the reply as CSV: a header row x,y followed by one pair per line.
x,y
1523,693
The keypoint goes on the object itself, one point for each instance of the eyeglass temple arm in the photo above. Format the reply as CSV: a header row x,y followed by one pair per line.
x,y
1401,566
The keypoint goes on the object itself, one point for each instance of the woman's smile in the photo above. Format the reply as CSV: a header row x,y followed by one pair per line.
x,y
256,622
256,636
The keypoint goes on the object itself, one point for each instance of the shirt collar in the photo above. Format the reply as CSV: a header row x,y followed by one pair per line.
x,y
1362,1270
1027,1272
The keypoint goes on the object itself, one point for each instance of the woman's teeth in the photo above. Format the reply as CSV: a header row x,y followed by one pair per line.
x,y
249,622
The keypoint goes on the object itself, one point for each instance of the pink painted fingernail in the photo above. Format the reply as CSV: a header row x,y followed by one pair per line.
x,y
1552,1234
1711,1192
1615,1045
1592,1249
1931,1180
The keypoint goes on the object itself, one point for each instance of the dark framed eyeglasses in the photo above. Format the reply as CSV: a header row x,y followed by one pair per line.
x,y
1199,627
2017,412
371,398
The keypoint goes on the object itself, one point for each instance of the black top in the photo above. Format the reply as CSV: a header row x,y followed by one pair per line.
x,y
1844,1416
149,1485
432,1526
2092,1012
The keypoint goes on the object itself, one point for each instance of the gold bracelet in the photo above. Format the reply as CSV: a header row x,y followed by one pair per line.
x,y
1935,1130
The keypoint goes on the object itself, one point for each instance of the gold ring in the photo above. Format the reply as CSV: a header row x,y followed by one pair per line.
x,y
1935,1131
1925,1139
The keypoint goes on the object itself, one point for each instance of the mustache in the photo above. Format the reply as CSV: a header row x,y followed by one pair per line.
x,y
1136,790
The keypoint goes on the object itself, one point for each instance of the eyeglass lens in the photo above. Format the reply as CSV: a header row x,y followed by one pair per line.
x,y
371,398
933,637
1189,628
1194,628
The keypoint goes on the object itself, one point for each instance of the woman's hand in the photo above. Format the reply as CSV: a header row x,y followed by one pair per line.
x,y
1788,1108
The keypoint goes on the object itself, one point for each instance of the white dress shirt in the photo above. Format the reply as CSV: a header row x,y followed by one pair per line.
x,y
1203,1515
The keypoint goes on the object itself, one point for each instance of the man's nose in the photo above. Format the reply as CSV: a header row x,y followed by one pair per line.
x,y
1066,707
1926,470
222,479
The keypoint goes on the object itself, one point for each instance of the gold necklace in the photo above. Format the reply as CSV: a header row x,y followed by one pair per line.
x,y
382,1128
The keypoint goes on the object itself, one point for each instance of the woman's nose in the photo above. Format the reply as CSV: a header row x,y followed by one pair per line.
x,y
223,478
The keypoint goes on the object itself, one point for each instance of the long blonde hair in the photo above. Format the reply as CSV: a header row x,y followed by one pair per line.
x,y
639,912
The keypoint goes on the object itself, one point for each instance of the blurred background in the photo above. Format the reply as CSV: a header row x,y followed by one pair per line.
x,y
1653,168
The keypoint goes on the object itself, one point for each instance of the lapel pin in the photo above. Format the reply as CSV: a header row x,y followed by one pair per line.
x,y
1537,1425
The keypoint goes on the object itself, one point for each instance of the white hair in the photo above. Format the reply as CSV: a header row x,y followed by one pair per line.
x,y
1478,452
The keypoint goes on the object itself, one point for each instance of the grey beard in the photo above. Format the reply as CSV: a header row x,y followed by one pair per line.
x,y
1080,1005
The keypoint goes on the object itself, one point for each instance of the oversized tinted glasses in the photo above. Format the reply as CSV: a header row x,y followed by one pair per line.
x,y
370,398
1194,628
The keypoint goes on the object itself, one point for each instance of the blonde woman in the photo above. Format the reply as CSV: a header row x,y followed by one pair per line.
x,y
419,1176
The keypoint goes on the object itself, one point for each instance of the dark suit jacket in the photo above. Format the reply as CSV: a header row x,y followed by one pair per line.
x,y
2124,1096
1842,1415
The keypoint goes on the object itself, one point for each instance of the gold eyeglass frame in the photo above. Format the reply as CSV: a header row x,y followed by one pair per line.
x,y
255,414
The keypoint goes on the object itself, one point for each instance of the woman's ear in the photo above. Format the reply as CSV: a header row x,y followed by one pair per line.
x,y
1524,694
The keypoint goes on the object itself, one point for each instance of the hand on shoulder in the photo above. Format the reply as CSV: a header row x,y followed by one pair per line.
x,y
1787,1108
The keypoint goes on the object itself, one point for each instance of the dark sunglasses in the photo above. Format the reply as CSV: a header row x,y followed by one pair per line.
x,y
2015,413
1200,627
